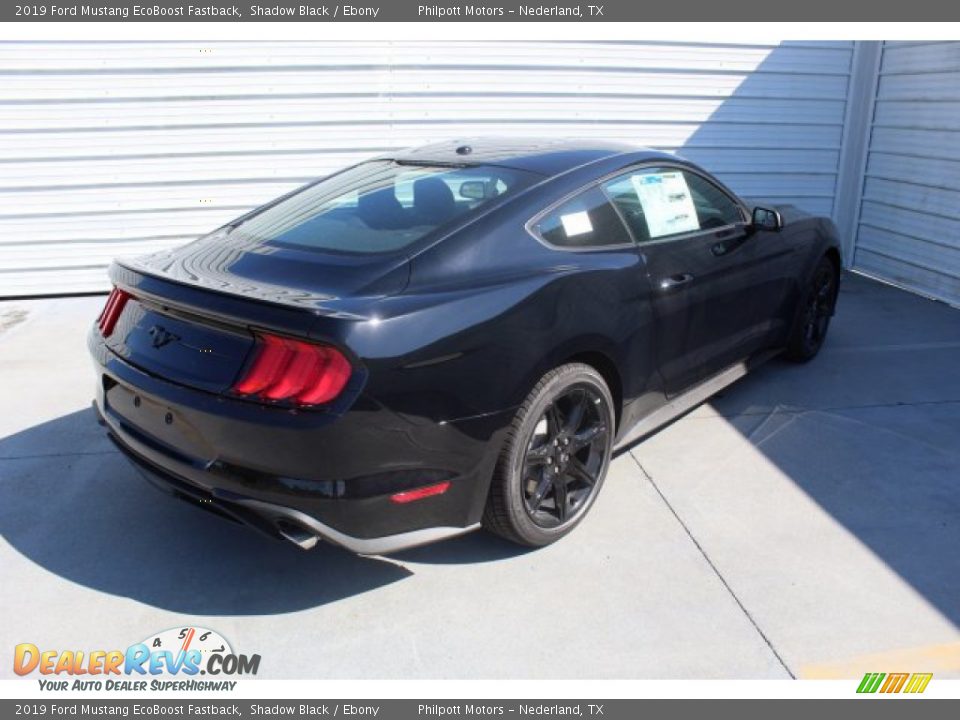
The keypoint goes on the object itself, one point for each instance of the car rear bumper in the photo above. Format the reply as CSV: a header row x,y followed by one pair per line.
x,y
304,476
276,520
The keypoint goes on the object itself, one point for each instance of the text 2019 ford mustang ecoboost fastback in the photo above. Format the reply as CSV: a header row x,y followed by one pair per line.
x,y
452,336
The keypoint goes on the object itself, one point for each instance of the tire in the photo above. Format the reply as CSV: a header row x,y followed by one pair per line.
x,y
814,311
561,437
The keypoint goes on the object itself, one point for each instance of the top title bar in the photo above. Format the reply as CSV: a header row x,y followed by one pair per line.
x,y
404,11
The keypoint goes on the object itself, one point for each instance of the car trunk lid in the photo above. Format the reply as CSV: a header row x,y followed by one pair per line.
x,y
230,263
193,312
178,345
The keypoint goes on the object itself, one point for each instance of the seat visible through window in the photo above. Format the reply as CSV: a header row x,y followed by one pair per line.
x,y
380,210
433,201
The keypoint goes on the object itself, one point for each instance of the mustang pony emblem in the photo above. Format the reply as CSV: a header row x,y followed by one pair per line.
x,y
161,336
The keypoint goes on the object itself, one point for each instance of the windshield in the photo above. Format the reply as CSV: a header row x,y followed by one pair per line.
x,y
379,206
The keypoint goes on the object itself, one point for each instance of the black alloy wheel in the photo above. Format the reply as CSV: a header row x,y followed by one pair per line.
x,y
555,457
565,456
815,311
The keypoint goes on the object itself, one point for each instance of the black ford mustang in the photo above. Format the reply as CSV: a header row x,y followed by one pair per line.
x,y
451,336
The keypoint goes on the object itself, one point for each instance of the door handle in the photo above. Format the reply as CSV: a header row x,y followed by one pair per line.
x,y
675,280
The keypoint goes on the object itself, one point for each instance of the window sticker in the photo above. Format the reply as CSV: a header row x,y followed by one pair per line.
x,y
577,223
667,203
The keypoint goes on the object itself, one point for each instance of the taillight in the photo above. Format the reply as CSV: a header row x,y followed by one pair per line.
x,y
294,371
111,311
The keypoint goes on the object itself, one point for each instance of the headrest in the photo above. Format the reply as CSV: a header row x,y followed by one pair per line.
x,y
380,209
433,200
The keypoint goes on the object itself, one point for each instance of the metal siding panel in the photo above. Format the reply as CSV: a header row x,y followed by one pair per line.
x,y
929,257
78,254
138,170
920,86
942,172
95,57
940,115
69,281
931,228
98,201
211,141
115,148
816,206
909,230
933,57
780,184
327,111
916,142
896,270
112,226
112,87
766,160
913,196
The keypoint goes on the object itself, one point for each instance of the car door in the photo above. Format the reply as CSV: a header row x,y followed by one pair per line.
x,y
716,283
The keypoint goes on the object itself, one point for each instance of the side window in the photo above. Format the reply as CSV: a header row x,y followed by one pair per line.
x,y
623,194
588,220
661,202
714,207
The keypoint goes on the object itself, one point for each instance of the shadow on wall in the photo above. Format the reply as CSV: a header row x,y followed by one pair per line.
x,y
776,139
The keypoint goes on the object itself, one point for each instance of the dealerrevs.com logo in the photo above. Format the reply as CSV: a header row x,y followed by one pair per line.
x,y
171,660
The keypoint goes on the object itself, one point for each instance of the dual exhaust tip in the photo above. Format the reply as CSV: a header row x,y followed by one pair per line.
x,y
307,538
297,534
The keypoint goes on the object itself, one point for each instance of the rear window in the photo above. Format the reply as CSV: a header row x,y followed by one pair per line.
x,y
586,221
379,206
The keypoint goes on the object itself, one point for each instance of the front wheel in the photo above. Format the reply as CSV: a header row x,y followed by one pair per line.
x,y
814,313
555,458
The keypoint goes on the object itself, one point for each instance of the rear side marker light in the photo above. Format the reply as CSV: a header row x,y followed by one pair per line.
x,y
294,371
112,310
408,496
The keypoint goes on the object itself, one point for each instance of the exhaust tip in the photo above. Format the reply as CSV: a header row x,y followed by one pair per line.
x,y
297,534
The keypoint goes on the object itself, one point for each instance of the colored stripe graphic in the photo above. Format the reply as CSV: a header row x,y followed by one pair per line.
x,y
918,683
870,682
894,682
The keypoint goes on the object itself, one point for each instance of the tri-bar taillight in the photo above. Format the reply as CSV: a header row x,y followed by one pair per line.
x,y
112,310
294,371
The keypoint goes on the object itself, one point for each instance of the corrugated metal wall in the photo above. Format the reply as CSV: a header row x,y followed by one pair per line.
x,y
111,149
909,229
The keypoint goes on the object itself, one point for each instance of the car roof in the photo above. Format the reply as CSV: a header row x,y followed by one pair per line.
x,y
543,156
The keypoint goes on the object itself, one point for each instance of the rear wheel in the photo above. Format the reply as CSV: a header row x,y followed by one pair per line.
x,y
814,313
555,458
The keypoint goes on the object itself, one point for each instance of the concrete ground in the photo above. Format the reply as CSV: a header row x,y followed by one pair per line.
x,y
804,523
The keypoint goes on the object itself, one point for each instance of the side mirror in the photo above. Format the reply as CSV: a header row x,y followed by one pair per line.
x,y
473,189
766,219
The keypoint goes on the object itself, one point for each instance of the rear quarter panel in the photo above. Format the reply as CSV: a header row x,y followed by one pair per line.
x,y
490,311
